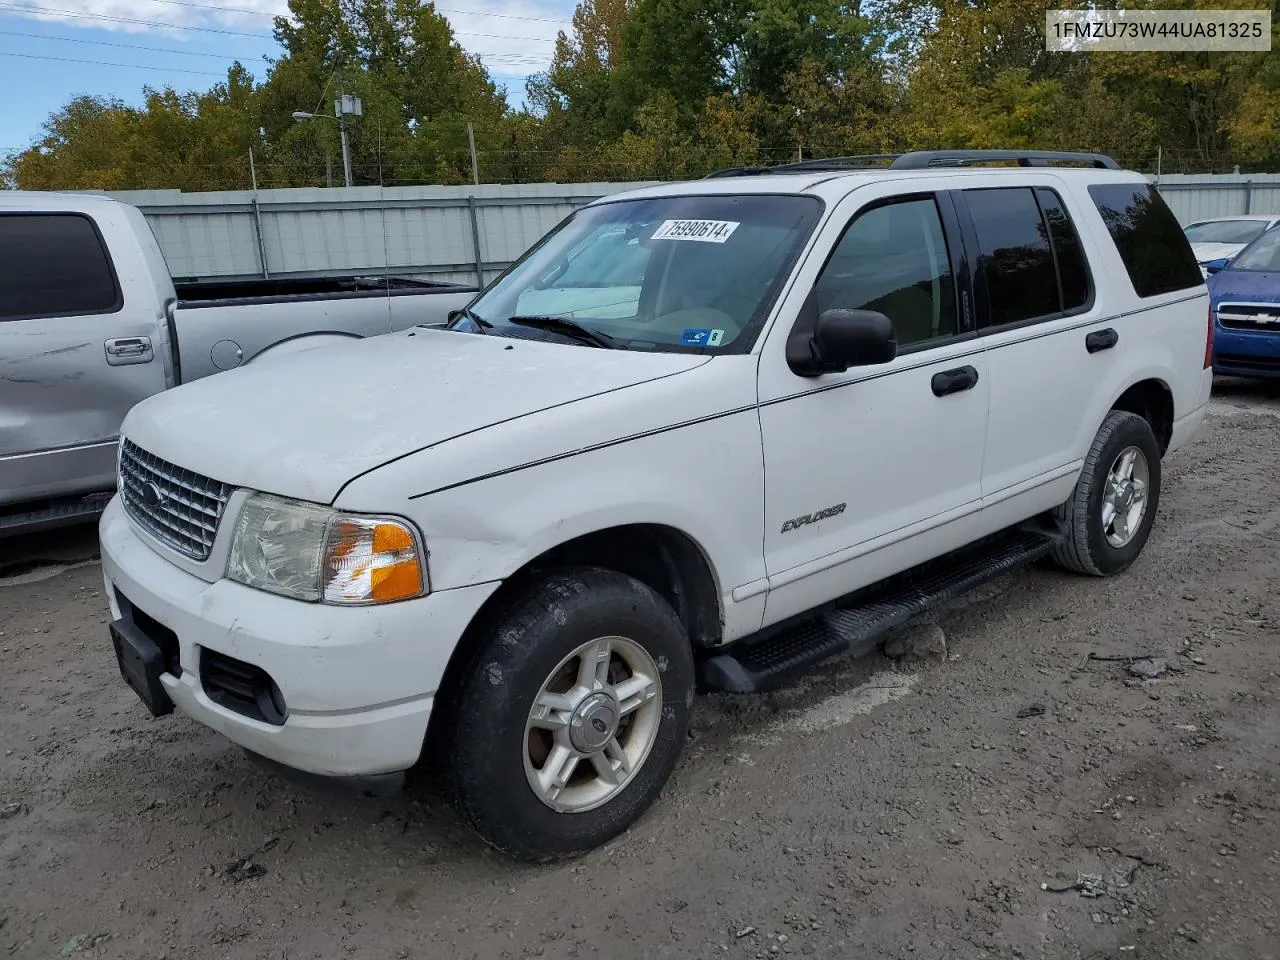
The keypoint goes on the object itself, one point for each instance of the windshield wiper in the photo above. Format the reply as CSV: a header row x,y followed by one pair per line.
x,y
570,328
480,323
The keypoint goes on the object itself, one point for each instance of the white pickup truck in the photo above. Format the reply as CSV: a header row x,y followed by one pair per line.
x,y
91,323
705,433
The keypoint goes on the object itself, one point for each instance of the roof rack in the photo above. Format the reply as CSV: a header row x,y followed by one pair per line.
x,y
857,161
923,160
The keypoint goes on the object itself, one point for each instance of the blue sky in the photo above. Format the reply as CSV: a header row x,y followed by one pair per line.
x,y
47,47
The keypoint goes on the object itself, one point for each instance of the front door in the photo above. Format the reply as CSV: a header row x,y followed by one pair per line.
x,y
862,462
75,355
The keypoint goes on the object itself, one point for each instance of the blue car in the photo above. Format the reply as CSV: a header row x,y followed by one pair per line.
x,y
1244,295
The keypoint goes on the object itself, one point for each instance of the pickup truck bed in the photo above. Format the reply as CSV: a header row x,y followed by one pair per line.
x,y
222,325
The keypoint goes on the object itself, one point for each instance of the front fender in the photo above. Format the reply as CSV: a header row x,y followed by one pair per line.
x,y
706,482
682,451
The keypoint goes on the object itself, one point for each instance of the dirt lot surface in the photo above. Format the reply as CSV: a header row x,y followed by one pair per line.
x,y
875,810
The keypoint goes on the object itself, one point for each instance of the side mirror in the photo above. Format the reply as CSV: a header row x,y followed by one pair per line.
x,y
1216,266
842,339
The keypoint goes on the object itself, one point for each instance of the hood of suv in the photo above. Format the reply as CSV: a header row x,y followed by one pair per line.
x,y
304,425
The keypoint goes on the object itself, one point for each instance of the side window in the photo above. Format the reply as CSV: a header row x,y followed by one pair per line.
x,y
1154,250
893,259
1015,260
54,265
1073,271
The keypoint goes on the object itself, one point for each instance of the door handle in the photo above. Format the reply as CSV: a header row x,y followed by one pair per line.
x,y
1101,340
126,350
954,381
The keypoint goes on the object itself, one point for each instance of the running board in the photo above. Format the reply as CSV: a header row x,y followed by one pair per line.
x,y
56,513
759,663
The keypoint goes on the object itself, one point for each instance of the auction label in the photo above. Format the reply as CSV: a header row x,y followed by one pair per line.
x,y
704,231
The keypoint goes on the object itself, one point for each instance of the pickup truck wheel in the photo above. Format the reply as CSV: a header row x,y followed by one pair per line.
x,y
573,716
1109,517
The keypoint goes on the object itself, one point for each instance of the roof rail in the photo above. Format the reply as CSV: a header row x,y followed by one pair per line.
x,y
737,172
922,159
800,166
835,163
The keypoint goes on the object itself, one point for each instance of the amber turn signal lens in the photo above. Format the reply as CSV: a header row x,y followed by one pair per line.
x,y
371,560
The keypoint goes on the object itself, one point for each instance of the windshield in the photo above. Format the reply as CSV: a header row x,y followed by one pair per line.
x,y
1263,254
1225,231
664,273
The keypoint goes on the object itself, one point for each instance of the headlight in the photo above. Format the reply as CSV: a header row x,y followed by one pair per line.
x,y
313,553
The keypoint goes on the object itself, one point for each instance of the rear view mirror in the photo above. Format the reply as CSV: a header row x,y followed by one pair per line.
x,y
855,338
1215,266
842,339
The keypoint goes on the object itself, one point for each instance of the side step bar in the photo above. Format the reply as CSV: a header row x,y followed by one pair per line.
x,y
762,662
54,513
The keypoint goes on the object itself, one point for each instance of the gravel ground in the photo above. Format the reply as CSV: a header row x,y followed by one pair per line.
x,y
1009,790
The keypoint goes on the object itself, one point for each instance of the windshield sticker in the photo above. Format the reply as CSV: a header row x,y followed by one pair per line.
x,y
704,231
701,337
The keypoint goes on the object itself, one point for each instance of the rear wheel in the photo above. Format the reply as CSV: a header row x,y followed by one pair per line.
x,y
1110,514
572,718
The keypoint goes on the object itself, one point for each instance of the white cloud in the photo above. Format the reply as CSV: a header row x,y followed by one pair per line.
x,y
513,37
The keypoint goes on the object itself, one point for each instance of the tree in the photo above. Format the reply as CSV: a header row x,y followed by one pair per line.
x,y
418,86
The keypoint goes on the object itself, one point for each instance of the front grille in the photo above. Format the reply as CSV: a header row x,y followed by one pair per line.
x,y
1250,316
241,687
176,506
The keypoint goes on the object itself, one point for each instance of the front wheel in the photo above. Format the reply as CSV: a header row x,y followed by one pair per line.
x,y
1109,516
574,715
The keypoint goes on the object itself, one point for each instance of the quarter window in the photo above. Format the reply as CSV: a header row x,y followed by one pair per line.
x,y
893,259
1154,250
54,265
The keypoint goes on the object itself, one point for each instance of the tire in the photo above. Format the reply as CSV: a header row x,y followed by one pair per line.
x,y
1088,548
495,757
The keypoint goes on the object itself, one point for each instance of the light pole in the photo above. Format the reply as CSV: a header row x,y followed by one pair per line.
x,y
345,106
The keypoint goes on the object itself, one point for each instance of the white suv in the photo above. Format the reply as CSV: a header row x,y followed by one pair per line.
x,y
702,434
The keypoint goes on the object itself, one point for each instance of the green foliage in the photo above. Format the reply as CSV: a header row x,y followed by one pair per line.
x,y
641,89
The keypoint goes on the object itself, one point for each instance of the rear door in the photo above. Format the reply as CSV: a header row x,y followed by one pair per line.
x,y
79,345
1048,347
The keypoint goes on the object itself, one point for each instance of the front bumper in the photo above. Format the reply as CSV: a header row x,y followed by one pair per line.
x,y
1246,353
358,683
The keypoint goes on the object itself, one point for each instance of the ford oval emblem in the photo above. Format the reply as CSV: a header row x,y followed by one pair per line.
x,y
152,495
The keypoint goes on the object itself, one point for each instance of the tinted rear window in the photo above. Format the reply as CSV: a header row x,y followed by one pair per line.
x,y
53,265
1152,246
